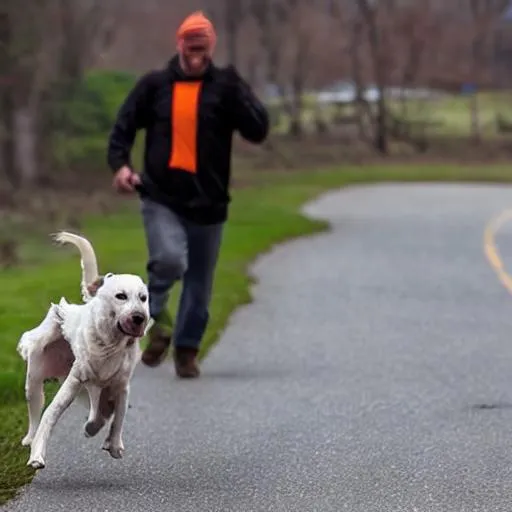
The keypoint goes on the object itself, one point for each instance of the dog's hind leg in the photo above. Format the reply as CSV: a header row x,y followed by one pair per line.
x,y
66,394
34,393
96,420
114,441
32,347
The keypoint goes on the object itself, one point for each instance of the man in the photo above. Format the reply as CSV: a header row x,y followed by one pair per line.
x,y
189,111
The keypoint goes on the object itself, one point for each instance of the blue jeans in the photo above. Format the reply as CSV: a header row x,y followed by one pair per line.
x,y
180,249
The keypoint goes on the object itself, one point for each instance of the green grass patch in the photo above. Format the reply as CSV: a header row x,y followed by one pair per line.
x,y
13,471
263,214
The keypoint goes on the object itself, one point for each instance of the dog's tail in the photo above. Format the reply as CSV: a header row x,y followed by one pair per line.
x,y
89,263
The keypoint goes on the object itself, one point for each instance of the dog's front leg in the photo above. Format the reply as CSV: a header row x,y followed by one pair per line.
x,y
67,392
114,442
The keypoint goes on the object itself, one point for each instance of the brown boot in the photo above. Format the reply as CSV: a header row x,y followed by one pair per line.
x,y
185,362
158,346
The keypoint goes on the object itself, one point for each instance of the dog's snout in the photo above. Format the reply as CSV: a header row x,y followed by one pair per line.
x,y
138,318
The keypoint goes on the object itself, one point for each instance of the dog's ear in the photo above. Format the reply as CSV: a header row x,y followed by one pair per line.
x,y
93,288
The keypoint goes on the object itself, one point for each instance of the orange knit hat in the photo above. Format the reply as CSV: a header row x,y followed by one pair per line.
x,y
196,22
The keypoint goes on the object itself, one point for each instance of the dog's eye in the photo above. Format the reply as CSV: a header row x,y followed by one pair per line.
x,y
143,298
121,296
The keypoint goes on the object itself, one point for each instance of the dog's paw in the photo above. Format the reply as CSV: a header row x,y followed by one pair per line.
x,y
91,428
36,462
27,440
116,450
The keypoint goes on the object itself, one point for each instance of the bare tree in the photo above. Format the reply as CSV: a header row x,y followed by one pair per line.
x,y
408,44
270,16
47,45
86,28
484,17
353,24
306,62
31,46
233,15
412,29
369,11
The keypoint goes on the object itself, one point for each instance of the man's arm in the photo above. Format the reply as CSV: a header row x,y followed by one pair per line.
x,y
250,115
132,116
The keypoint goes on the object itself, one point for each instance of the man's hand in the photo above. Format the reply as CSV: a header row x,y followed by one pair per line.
x,y
125,180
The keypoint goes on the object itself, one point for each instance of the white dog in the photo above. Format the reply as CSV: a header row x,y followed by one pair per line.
x,y
93,346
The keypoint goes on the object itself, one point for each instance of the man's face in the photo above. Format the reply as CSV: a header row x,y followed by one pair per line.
x,y
195,53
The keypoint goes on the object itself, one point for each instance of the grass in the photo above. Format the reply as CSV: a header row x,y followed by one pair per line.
x,y
448,115
262,214
452,114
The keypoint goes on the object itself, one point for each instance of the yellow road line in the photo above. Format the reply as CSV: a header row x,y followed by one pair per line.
x,y
491,250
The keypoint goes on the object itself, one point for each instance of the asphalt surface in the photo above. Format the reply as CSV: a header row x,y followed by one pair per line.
x,y
372,373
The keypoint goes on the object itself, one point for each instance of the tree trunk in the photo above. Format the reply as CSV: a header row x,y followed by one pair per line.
x,y
478,63
25,144
381,136
296,112
7,165
265,15
476,135
7,160
252,71
231,38
233,15
381,126
297,92
356,77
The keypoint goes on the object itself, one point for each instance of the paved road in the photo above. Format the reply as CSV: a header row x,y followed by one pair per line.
x,y
373,373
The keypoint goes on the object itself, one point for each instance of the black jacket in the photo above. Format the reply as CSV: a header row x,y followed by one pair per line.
x,y
189,127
